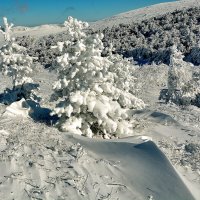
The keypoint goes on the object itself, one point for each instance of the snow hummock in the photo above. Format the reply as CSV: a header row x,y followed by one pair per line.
x,y
18,109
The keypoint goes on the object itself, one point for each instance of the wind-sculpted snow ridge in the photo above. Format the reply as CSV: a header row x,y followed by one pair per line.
x,y
37,162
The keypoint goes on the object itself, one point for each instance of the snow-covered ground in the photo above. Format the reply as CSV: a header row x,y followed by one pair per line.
x,y
36,32
39,162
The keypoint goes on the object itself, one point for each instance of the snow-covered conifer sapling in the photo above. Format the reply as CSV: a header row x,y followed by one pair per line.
x,y
15,63
179,74
95,93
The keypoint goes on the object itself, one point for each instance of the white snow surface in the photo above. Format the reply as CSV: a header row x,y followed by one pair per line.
x,y
37,31
38,161
18,109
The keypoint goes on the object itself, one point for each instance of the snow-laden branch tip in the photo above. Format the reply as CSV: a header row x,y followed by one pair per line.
x,y
6,30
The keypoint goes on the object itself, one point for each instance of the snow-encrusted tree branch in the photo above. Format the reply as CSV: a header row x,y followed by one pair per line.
x,y
95,91
7,29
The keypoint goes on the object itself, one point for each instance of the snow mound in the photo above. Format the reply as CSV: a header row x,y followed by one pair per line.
x,y
19,108
142,168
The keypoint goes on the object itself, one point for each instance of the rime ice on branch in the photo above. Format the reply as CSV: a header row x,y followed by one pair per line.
x,y
96,93
7,29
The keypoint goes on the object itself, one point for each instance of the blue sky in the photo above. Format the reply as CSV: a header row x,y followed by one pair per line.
x,y
36,12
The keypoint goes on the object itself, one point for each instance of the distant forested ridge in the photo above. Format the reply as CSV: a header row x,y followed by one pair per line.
x,y
150,40
146,42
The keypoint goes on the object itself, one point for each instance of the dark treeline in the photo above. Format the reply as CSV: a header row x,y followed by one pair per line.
x,y
147,41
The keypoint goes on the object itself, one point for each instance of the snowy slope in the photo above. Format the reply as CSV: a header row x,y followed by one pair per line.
x,y
38,161
35,32
144,13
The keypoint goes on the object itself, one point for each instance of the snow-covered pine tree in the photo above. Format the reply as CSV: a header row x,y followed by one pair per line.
x,y
94,90
15,63
179,74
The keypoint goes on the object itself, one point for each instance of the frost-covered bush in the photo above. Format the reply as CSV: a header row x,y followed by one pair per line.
x,y
180,83
191,93
146,41
191,89
194,55
17,65
41,48
95,91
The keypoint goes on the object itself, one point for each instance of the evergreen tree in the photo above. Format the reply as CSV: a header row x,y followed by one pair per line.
x,y
15,63
95,91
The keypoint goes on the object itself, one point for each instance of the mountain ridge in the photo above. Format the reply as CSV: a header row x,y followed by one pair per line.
x,y
141,14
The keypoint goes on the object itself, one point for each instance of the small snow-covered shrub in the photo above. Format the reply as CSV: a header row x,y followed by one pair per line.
x,y
194,55
183,81
94,90
191,90
17,65
41,48
191,93
179,74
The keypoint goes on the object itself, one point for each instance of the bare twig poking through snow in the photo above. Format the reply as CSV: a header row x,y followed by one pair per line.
x,y
96,90
117,184
7,29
